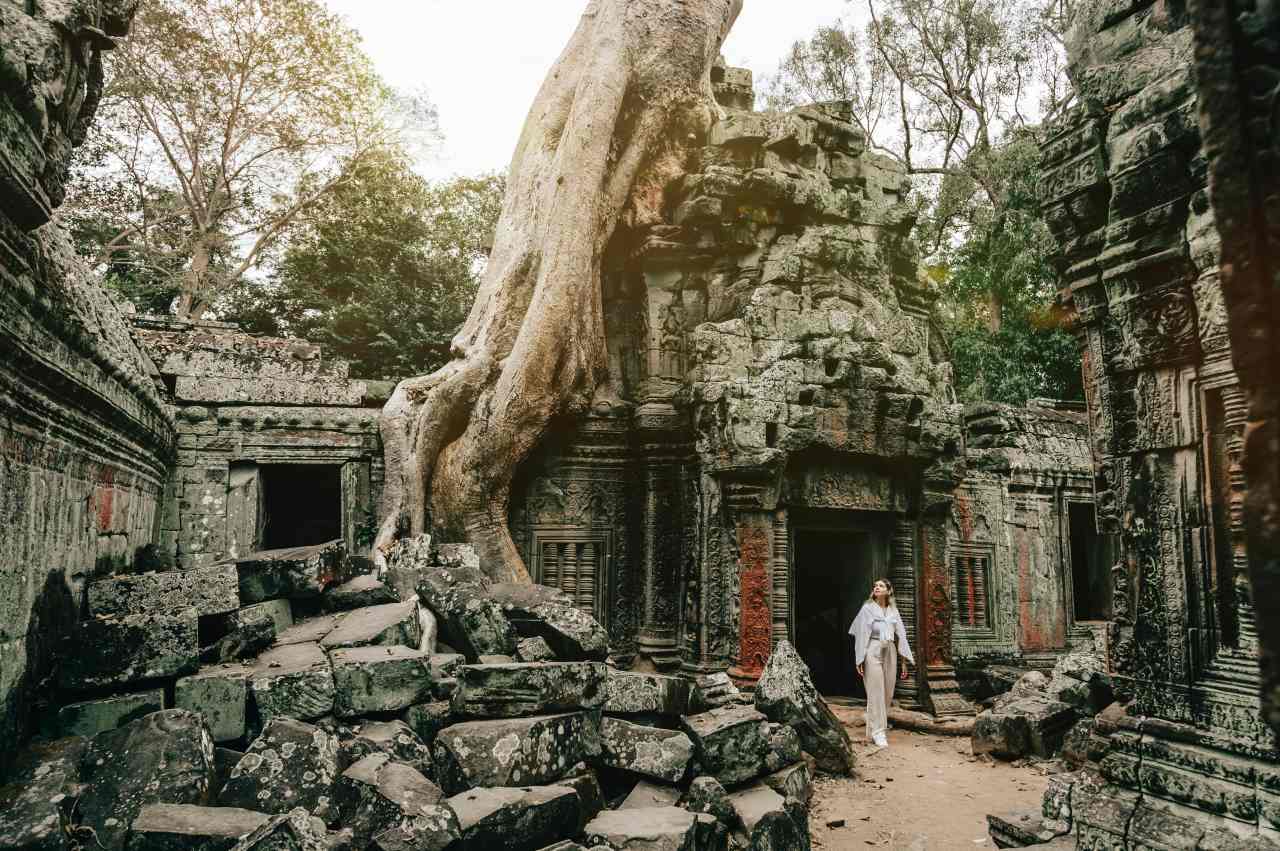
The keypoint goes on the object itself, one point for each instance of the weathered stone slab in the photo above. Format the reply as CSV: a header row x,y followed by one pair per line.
x,y
191,827
378,679
522,819
469,621
647,794
377,794
166,756
784,747
708,795
366,590
539,611
729,741
396,739
763,815
785,694
120,650
712,690
296,572
428,719
209,590
221,695
221,390
297,830
394,623
1030,724
41,782
293,681
515,751
242,641
513,689
794,783
310,630
291,764
644,829
534,650
433,828
633,693
90,717
590,796
279,611
650,751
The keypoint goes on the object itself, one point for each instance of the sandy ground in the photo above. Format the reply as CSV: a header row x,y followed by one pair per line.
x,y
923,793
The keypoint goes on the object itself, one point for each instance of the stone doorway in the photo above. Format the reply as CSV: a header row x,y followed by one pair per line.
x,y
301,504
832,571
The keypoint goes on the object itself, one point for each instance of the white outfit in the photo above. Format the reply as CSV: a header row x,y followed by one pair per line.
x,y
878,636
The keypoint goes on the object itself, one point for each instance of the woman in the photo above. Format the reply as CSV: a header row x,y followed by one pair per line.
x,y
879,636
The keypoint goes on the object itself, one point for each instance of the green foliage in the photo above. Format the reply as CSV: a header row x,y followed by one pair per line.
x,y
382,270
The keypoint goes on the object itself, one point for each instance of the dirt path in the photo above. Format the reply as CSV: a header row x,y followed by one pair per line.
x,y
924,793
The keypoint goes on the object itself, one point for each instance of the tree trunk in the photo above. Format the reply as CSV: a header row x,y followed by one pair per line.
x,y
610,127
995,307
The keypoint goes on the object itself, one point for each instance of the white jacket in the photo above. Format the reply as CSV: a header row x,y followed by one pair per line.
x,y
884,624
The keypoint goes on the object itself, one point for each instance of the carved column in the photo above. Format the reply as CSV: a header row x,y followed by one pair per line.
x,y
753,525
781,600
661,538
934,618
1235,411
902,573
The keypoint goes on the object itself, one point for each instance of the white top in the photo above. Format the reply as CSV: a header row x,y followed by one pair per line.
x,y
873,621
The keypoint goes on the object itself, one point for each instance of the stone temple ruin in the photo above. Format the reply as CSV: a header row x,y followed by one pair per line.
x,y
194,652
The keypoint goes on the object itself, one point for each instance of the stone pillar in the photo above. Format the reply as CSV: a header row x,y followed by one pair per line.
x,y
661,456
755,612
902,573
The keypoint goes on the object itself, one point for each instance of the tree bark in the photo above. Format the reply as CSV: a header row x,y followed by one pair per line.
x,y
610,127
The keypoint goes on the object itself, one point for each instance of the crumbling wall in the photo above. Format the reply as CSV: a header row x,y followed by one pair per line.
x,y
84,437
243,401
1139,254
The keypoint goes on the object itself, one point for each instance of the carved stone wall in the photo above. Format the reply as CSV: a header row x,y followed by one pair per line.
x,y
1009,538
84,437
1139,255
245,405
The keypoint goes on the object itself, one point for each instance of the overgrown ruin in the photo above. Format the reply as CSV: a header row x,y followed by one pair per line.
x,y
202,640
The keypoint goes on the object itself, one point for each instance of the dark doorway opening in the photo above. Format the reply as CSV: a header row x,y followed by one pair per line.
x,y
833,573
302,504
1091,557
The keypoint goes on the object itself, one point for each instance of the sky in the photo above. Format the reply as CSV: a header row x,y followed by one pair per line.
x,y
481,61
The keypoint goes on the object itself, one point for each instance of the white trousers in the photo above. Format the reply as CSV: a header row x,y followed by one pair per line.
x,y
879,675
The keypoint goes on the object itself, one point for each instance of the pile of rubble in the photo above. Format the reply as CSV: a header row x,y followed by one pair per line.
x,y
1043,716
423,710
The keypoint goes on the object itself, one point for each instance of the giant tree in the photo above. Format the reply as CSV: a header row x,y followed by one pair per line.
x,y
245,112
610,127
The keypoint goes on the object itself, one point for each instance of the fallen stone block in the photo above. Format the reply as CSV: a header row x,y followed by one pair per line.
x,y
646,794
90,717
712,690
428,719
784,747
469,620
794,783
280,612
191,827
729,742
644,829
1031,724
290,764
786,695
513,689
358,593
394,623
708,795
650,751
457,555
428,629
35,811
1019,829
396,739
209,590
116,651
224,760
244,640
509,819
514,751
296,572
297,830
377,794
221,695
766,821
164,757
534,649
293,681
632,693
433,828
543,612
584,781
311,630
407,561
378,679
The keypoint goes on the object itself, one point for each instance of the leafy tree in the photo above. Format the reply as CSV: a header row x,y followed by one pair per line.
x,y
382,269
222,122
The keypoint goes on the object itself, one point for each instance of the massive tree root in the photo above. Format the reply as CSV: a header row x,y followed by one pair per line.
x,y
609,129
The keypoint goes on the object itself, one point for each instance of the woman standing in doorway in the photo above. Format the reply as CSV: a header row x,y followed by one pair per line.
x,y
879,637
